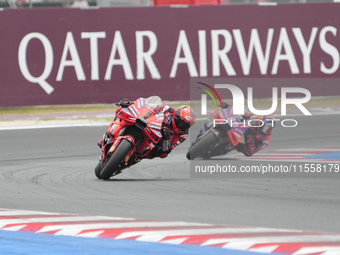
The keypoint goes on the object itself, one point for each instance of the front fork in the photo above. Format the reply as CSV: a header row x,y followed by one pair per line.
x,y
109,147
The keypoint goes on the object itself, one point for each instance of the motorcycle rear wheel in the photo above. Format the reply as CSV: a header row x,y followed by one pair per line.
x,y
197,150
116,159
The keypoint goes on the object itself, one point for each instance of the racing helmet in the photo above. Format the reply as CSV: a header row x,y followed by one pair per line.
x,y
268,124
184,118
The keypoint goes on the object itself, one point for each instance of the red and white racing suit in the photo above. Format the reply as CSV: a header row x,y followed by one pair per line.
x,y
171,138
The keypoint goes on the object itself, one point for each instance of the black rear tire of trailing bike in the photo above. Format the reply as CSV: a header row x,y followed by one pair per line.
x,y
197,149
115,160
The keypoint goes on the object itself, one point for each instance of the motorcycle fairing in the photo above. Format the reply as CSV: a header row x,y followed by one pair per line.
x,y
128,117
235,133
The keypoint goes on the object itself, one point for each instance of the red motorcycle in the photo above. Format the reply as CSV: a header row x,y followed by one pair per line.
x,y
134,132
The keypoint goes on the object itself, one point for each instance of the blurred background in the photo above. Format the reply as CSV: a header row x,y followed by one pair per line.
x,y
57,52
135,3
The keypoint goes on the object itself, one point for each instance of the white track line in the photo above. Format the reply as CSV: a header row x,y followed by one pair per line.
x,y
99,124
4,222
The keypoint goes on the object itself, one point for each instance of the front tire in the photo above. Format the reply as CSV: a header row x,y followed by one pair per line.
x,y
116,159
98,169
198,149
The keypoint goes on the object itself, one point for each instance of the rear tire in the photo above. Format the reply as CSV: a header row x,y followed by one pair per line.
x,y
116,159
197,150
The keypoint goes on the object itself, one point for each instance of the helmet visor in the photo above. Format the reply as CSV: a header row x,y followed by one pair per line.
x,y
181,124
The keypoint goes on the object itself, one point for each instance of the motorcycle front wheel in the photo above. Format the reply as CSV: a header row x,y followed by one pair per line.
x,y
98,169
198,149
116,159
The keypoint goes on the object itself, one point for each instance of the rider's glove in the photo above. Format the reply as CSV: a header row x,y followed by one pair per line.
x,y
124,103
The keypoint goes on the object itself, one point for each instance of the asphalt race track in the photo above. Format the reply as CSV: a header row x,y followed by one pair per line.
x,y
52,170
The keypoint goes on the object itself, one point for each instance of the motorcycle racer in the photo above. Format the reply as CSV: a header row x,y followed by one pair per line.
x,y
175,127
256,138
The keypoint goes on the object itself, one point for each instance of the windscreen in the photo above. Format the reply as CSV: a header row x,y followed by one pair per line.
x,y
154,103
